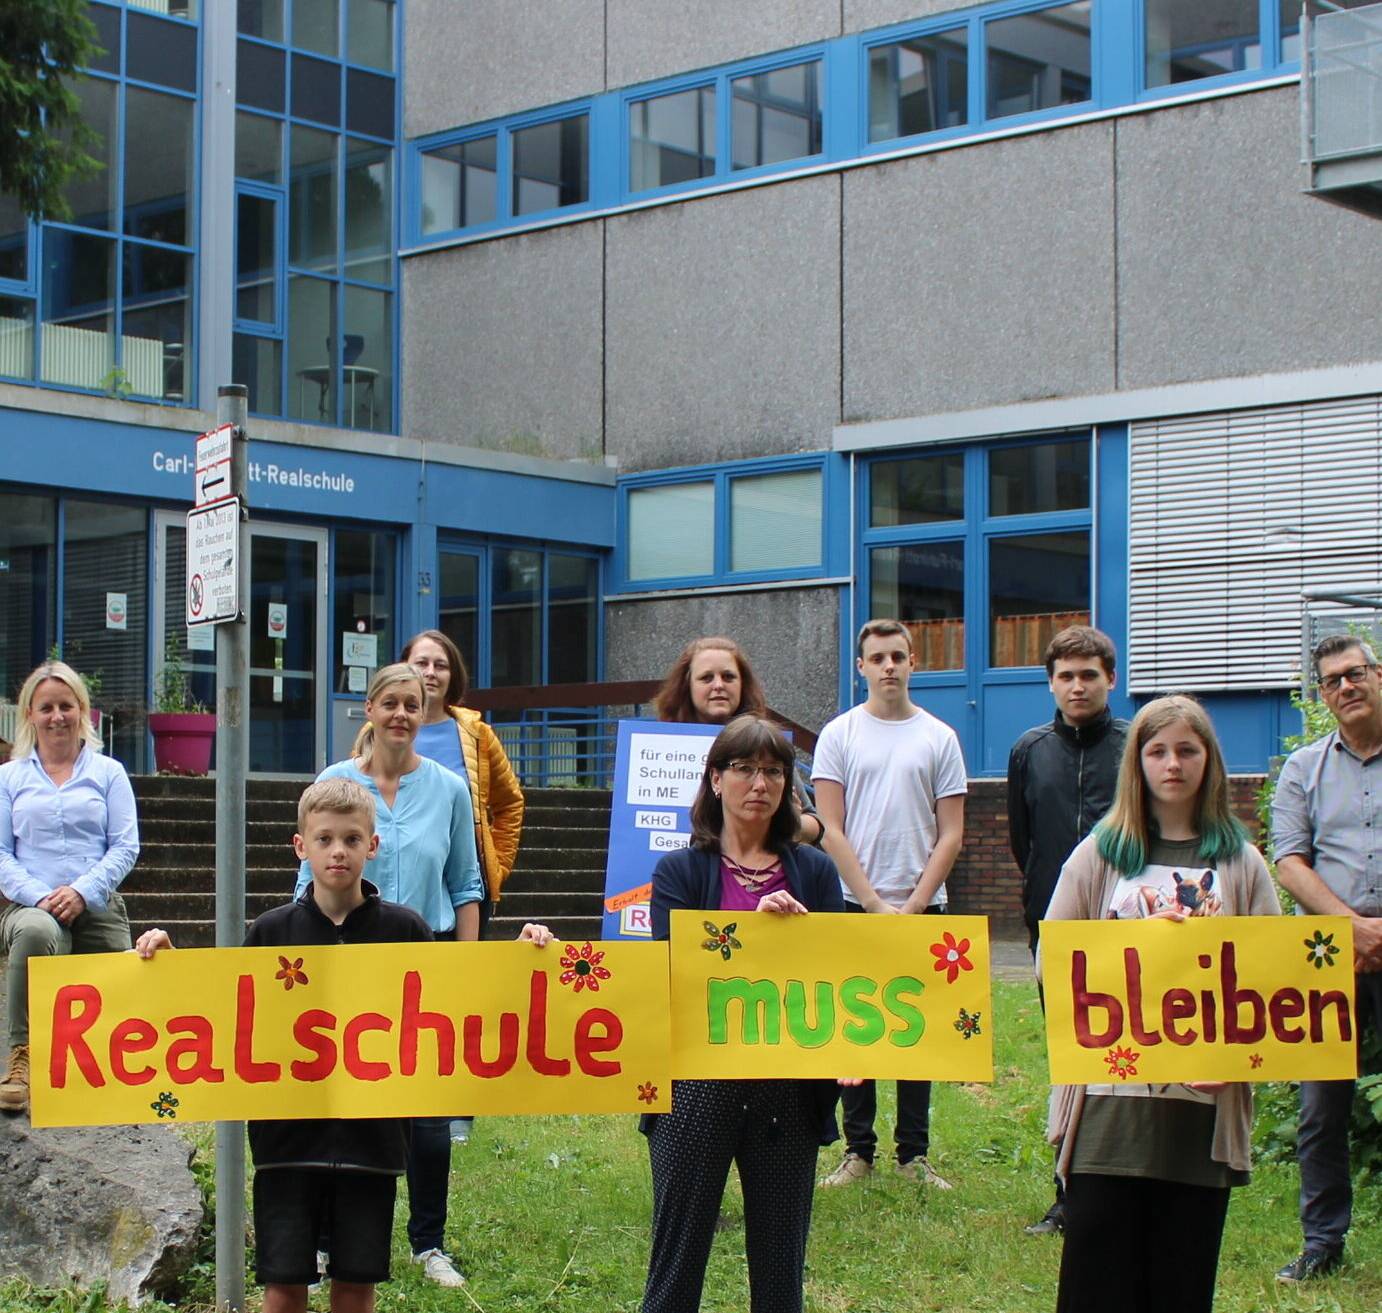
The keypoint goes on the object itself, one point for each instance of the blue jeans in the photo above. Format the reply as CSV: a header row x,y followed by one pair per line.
x,y
429,1174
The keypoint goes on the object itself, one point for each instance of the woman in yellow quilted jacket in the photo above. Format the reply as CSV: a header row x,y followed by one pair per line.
x,y
457,737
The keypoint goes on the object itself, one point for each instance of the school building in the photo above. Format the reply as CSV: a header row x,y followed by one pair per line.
x,y
577,328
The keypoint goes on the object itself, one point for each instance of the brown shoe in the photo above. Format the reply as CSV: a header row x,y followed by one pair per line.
x,y
14,1092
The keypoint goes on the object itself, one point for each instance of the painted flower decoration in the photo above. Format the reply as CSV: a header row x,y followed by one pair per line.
x,y
723,941
1321,950
647,1092
968,1024
1256,1061
950,956
1122,1062
290,973
165,1105
581,967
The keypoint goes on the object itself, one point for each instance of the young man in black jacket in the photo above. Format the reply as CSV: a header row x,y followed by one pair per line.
x,y
1061,780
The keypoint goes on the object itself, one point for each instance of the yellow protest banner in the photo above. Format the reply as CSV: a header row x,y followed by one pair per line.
x,y
828,995
367,1030
1236,998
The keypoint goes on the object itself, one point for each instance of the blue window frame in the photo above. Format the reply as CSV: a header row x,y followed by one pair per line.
x,y
316,330
761,521
983,551
106,301
1002,65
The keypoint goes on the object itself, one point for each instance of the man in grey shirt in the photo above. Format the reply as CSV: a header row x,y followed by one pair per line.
x,y
1327,839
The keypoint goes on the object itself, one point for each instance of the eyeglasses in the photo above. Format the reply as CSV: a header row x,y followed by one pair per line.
x,y
746,770
1354,675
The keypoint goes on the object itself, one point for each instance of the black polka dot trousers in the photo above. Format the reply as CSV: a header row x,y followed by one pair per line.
x,y
770,1130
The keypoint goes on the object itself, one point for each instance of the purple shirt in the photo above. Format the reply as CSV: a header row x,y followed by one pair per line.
x,y
735,898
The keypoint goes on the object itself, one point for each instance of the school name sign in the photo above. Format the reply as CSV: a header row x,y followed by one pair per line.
x,y
363,1030
829,995
1215,998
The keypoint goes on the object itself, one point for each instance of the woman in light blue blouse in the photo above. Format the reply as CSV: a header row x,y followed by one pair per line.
x,y
68,837
426,861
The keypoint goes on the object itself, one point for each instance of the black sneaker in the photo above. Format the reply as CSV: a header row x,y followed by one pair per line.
x,y
1310,1265
1052,1224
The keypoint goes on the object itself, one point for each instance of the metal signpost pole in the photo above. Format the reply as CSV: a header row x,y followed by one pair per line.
x,y
232,754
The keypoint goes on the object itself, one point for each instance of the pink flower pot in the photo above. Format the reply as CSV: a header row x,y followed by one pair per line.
x,y
182,741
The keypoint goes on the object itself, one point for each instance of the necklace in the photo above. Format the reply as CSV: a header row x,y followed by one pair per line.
x,y
751,877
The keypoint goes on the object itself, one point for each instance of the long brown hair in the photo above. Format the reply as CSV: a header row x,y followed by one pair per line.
x,y
385,677
460,676
1125,834
673,700
744,739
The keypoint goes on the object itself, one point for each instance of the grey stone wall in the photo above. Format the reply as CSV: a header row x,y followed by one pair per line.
x,y
1225,267
792,637
722,326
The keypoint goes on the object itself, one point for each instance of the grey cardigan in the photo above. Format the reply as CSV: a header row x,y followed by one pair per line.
x,y
1082,894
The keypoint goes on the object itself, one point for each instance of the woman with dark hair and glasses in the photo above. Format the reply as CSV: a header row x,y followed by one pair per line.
x,y
742,858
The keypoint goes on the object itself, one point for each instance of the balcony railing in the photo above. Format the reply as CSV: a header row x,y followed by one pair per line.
x,y
1341,87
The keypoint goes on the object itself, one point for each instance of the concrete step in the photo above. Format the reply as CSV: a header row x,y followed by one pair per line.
x,y
202,830
162,906
202,879
562,880
202,856
184,934
160,810
537,860
539,904
592,817
568,797
571,929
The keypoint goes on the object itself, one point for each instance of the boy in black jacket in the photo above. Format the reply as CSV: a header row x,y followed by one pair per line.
x,y
332,1176
329,1175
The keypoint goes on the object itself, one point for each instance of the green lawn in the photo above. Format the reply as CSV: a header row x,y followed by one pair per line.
x,y
552,1213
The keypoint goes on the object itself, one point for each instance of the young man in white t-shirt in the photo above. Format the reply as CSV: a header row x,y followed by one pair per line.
x,y
890,788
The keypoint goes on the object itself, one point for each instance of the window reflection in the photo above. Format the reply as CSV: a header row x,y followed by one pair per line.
x,y
923,586
672,138
515,617
28,585
258,148
920,490
367,360
256,258
459,187
1187,40
1049,476
1039,60
316,25
311,349
312,199
1038,584
92,196
77,343
363,565
776,116
368,211
369,33
572,618
263,18
257,363
919,85
158,166
157,321
551,165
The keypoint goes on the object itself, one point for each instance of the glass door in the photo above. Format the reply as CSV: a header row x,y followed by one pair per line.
x,y
459,610
287,640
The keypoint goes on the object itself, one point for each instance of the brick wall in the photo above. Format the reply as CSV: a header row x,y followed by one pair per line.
x,y
986,881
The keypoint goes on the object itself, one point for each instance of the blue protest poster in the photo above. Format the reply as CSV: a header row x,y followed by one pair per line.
x,y
657,770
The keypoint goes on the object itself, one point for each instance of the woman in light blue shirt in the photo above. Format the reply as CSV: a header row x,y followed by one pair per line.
x,y
68,837
426,861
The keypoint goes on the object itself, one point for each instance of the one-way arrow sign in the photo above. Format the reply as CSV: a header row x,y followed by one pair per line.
x,y
213,465
213,484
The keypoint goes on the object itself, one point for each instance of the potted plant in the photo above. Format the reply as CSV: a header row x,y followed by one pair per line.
x,y
183,728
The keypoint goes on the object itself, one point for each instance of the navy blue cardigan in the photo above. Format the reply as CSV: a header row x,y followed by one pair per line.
x,y
690,878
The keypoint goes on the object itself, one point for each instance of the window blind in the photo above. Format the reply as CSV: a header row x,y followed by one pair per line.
x,y
1230,516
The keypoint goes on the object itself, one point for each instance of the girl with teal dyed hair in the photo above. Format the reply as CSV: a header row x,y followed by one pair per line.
x,y
1148,1168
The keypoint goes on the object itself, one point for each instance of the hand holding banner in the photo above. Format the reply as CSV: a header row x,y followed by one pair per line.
x,y
1233,998
364,1030
759,995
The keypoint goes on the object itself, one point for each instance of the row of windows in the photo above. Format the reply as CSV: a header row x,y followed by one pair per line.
x,y
839,101
1018,517
104,301
315,304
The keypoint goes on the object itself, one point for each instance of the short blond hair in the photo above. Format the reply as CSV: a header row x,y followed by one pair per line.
x,y
24,737
338,796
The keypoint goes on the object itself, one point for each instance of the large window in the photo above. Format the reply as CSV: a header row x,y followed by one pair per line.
x,y
110,287
984,552
1188,39
315,141
776,116
732,525
672,138
1039,60
919,85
